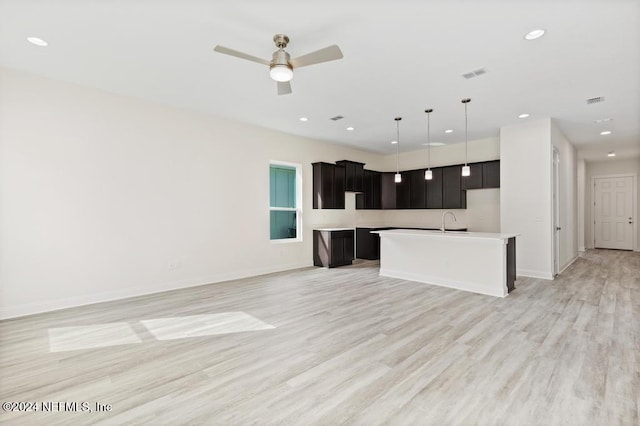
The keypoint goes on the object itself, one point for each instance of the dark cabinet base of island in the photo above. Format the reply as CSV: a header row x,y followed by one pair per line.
x,y
333,247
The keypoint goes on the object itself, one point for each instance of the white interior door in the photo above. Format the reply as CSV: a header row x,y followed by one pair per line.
x,y
613,219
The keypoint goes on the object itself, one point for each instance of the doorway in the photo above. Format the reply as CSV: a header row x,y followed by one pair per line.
x,y
556,212
613,214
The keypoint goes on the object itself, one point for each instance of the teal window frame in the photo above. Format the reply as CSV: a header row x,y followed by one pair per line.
x,y
289,200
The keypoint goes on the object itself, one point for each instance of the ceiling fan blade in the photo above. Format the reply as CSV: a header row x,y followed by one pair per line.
x,y
327,54
227,51
284,87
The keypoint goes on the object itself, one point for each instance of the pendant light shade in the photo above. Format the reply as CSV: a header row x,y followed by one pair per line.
x,y
428,174
466,170
398,176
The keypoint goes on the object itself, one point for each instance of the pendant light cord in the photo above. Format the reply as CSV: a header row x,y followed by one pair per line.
x,y
397,147
466,134
398,144
428,139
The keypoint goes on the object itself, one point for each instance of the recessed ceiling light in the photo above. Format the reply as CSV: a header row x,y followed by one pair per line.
x,y
304,119
523,115
433,144
394,142
37,41
350,128
448,131
532,35
606,132
611,154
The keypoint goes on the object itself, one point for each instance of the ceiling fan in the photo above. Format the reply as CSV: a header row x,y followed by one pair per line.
x,y
281,65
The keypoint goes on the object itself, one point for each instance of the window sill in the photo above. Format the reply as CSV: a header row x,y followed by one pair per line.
x,y
286,241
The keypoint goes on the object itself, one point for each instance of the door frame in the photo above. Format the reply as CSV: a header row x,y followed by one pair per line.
x,y
634,206
555,210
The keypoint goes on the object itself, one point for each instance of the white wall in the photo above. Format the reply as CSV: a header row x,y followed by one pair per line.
x,y
104,196
610,166
525,194
568,197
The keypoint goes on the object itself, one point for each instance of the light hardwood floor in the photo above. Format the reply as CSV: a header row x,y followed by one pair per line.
x,y
342,346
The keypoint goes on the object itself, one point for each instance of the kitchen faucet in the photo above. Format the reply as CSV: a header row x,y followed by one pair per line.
x,y
444,215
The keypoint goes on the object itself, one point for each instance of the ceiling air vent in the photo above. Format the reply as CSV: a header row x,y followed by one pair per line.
x,y
336,118
595,100
474,73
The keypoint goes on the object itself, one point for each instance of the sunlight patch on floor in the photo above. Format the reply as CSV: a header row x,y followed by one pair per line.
x,y
91,336
203,325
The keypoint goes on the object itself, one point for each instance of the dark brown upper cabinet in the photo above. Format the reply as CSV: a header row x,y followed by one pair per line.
x,y
403,191
354,175
433,189
388,191
447,189
491,174
328,186
371,197
453,197
418,193
474,181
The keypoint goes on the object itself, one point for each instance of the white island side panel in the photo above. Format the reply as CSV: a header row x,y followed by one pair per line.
x,y
479,266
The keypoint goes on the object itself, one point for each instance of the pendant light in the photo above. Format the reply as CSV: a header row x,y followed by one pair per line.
x,y
428,174
466,170
398,176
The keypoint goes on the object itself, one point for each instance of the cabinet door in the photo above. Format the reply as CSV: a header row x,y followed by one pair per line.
x,y
491,174
388,191
354,175
418,193
323,185
403,191
376,188
348,248
452,194
338,187
474,181
433,189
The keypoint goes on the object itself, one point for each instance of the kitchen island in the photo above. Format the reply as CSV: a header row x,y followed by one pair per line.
x,y
479,262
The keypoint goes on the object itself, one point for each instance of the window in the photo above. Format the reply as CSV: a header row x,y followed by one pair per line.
x,y
285,207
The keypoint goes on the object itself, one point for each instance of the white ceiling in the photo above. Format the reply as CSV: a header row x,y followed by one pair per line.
x,y
400,57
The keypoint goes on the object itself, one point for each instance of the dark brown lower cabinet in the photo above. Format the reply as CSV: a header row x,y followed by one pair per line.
x,y
368,243
511,264
333,248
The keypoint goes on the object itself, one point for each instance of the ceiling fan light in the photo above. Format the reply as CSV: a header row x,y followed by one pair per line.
x,y
466,171
397,178
281,73
428,175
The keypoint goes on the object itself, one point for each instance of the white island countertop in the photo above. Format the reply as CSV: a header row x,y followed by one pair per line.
x,y
447,234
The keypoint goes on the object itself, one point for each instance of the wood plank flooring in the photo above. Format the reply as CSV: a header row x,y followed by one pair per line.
x,y
347,347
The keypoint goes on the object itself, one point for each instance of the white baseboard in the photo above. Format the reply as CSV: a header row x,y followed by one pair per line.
x,y
8,312
531,273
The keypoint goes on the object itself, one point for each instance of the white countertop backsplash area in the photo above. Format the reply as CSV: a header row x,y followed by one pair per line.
x,y
481,215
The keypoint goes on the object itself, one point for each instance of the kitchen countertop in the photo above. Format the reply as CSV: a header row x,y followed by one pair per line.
x,y
334,229
449,234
